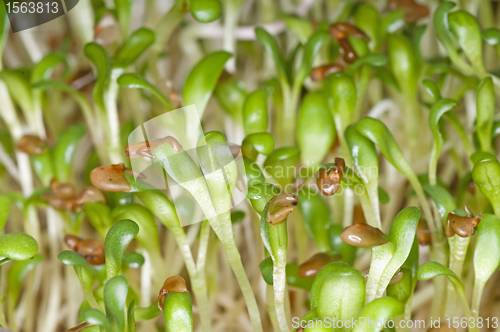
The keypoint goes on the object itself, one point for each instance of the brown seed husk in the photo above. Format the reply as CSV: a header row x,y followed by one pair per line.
x,y
280,207
328,180
397,278
110,178
311,267
78,327
343,29
175,284
72,241
92,251
318,74
347,51
59,203
412,10
363,235
89,194
63,190
358,216
423,233
31,145
462,226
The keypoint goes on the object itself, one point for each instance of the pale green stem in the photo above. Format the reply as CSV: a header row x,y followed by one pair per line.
x,y
271,310
279,285
476,297
231,14
364,78
458,250
3,323
370,210
111,95
290,100
164,30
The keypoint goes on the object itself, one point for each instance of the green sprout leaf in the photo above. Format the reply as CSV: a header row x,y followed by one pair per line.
x,y
388,258
205,11
273,49
115,297
486,256
45,67
83,272
117,239
96,317
311,49
338,292
255,112
437,111
17,247
485,105
491,36
316,216
231,94
202,80
300,27
131,80
136,44
379,310
100,59
315,129
178,312
486,175
279,163
123,12
365,159
64,152
5,203
133,260
468,33
256,143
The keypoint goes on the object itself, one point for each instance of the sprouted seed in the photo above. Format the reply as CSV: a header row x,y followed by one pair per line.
x,y
328,179
364,236
280,207
111,178
91,250
318,74
311,267
31,145
462,226
413,11
175,284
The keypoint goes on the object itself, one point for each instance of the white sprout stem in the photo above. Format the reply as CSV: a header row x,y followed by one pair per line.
x,y
146,279
458,250
115,153
271,309
232,11
279,285
9,164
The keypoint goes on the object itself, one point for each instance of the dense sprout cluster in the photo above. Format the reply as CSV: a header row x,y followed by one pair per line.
x,y
315,163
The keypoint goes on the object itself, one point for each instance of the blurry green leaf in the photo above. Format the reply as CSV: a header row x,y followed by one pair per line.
x,y
316,217
65,150
178,312
100,59
202,80
115,296
272,48
133,260
491,36
96,317
279,163
485,106
123,12
315,129
205,11
254,144
117,239
131,80
255,112
231,94
43,69
17,247
311,49
138,42
300,27
380,310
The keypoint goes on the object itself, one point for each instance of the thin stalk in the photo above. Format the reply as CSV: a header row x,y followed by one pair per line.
x,y
279,286
364,79
288,120
271,309
164,30
235,261
114,146
458,250
2,300
231,14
